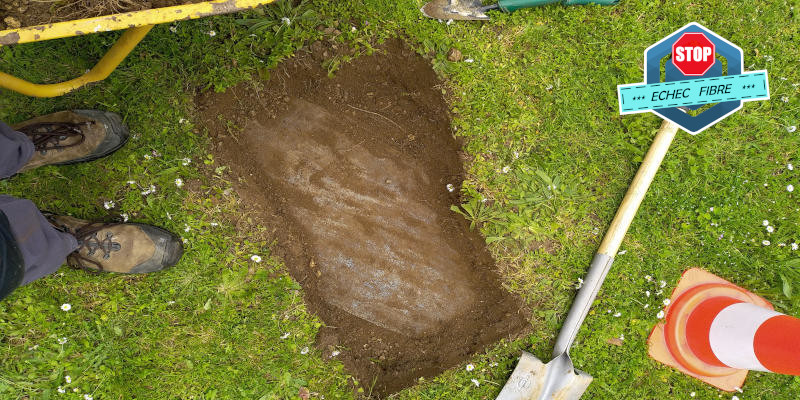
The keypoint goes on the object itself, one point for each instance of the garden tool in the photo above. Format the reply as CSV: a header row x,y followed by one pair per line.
x,y
475,10
558,379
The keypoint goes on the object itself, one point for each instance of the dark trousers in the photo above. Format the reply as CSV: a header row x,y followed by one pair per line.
x,y
42,247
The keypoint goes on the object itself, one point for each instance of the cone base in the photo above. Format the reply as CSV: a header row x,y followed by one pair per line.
x,y
727,379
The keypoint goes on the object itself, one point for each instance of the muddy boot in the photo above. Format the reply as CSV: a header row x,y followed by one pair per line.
x,y
128,248
70,137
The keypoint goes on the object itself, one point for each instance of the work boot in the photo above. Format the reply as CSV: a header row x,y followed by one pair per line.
x,y
70,137
127,248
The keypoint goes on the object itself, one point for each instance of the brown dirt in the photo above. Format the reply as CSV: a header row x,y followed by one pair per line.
x,y
350,174
22,13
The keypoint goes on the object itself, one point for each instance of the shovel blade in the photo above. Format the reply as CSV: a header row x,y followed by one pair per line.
x,y
454,9
534,380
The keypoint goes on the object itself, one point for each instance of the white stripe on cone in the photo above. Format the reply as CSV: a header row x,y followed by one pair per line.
x,y
732,333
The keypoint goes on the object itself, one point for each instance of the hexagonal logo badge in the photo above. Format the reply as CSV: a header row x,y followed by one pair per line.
x,y
694,78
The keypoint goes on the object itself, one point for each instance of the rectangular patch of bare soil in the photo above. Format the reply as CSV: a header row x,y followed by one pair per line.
x,y
351,175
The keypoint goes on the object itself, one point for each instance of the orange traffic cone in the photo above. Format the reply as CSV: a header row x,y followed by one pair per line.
x,y
716,331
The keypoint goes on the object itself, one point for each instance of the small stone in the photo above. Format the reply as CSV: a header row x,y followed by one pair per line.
x,y
614,341
12,22
454,55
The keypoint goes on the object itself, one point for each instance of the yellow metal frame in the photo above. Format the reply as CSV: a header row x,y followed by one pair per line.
x,y
137,23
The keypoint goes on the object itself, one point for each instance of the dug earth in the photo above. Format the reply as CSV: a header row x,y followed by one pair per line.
x,y
354,176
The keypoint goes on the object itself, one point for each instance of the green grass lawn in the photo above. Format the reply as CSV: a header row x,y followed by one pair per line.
x,y
538,97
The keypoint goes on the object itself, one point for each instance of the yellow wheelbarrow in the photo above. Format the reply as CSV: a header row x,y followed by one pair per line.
x,y
137,23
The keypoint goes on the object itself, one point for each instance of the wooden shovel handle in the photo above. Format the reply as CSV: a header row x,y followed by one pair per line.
x,y
636,192
601,263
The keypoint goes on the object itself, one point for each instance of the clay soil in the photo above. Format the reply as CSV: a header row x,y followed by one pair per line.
x,y
350,175
22,13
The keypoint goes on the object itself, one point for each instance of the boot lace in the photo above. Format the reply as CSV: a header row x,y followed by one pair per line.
x,y
88,239
48,136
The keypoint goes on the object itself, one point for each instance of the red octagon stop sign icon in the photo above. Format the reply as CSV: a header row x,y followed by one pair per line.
x,y
693,54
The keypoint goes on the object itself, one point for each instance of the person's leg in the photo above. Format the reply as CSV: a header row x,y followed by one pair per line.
x,y
43,247
15,150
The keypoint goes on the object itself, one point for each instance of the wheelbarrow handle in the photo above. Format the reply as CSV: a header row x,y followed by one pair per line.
x,y
614,236
513,5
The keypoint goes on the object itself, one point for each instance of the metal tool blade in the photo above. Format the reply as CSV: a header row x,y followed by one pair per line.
x,y
534,380
470,10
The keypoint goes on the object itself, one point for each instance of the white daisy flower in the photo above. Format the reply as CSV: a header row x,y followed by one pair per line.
x,y
62,340
765,222
212,33
131,182
766,242
335,353
109,204
647,293
61,390
173,28
66,307
660,314
186,161
790,188
770,229
661,284
692,394
470,367
579,284
666,302
791,129
646,305
186,228
648,278
285,335
87,397
68,379
785,99
286,21
179,182
255,258
125,217
147,156
182,121
469,60
794,246
450,188
734,397
789,166
506,169
304,350
475,382
618,314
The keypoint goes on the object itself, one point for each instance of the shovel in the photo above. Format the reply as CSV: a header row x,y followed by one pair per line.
x,y
475,10
558,379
